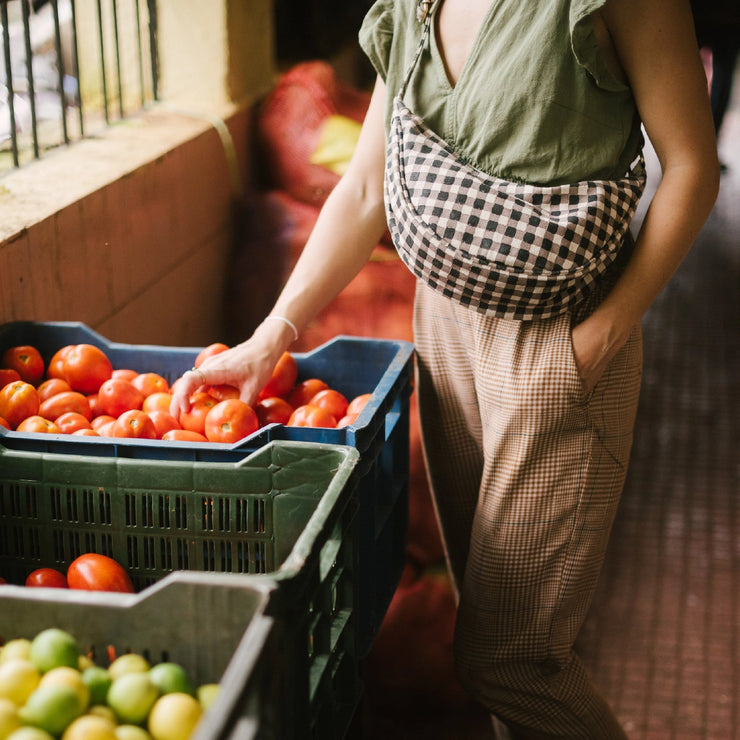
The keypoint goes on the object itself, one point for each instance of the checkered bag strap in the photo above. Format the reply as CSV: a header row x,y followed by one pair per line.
x,y
423,15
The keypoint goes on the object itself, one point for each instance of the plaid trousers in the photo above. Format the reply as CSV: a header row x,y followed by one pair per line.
x,y
526,472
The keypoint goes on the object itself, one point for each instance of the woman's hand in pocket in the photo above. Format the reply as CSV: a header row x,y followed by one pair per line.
x,y
592,352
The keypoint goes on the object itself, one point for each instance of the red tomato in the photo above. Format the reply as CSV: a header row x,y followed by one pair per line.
x,y
94,572
157,402
61,403
117,396
86,367
4,423
89,432
51,387
124,373
163,422
332,401
195,419
358,403
283,378
38,425
55,368
8,375
149,383
305,391
26,361
229,421
346,420
222,392
311,416
18,400
134,423
273,410
71,421
107,429
183,435
212,349
94,402
46,578
101,420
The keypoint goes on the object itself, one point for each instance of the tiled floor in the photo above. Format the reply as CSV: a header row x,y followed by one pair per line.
x,y
663,636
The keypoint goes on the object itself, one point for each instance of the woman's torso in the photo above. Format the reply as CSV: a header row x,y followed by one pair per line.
x,y
520,88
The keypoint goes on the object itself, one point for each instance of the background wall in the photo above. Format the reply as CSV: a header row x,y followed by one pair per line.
x,y
131,231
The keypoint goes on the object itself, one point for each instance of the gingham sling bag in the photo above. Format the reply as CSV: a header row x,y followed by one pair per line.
x,y
521,251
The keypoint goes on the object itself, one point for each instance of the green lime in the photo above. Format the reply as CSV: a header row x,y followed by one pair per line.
x,y
29,733
66,676
52,708
18,680
102,710
52,648
207,694
171,677
131,696
90,727
84,662
98,680
131,732
128,663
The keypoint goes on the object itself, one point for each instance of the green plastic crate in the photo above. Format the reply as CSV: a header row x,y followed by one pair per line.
x,y
352,365
282,518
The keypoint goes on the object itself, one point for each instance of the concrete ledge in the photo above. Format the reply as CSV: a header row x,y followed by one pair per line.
x,y
130,231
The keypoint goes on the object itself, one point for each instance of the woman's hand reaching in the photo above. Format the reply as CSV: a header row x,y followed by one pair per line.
x,y
246,366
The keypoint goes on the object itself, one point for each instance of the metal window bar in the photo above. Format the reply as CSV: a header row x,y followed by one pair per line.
x,y
42,71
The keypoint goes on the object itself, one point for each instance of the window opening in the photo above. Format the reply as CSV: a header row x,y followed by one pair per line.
x,y
68,68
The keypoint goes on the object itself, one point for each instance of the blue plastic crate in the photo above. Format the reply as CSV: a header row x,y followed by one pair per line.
x,y
352,365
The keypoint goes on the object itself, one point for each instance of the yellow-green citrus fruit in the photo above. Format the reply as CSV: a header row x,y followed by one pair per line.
x,y
131,732
83,663
174,717
98,681
20,647
171,677
90,727
9,719
18,680
207,694
102,710
131,696
66,676
128,663
29,733
52,648
52,708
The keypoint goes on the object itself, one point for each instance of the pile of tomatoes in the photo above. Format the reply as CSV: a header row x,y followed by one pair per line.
x,y
80,392
87,572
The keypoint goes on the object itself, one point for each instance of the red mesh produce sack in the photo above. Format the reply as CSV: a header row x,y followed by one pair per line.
x,y
289,123
410,665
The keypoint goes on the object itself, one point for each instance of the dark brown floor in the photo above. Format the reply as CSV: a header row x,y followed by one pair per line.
x,y
663,636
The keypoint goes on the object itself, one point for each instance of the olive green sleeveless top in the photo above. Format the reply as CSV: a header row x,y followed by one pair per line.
x,y
535,101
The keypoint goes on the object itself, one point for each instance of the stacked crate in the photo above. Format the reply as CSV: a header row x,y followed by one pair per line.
x,y
313,520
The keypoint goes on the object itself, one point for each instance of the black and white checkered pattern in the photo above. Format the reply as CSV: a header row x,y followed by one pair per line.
x,y
518,250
